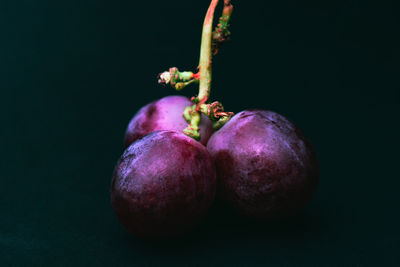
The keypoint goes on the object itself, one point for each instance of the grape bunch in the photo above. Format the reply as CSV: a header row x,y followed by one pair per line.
x,y
180,153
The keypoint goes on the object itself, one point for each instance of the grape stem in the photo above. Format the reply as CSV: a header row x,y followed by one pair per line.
x,y
206,55
221,33
177,79
210,43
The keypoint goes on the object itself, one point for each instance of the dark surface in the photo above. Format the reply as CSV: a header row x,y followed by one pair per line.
x,y
72,74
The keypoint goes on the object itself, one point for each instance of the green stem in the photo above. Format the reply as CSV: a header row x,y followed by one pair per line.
x,y
178,79
205,54
192,129
215,112
210,43
221,33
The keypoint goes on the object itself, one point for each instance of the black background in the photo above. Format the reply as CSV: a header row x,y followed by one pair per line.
x,y
72,74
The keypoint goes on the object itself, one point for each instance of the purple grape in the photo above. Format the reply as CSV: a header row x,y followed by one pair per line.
x,y
266,168
163,184
164,114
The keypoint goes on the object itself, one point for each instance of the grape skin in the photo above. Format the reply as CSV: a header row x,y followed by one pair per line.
x,y
266,167
164,114
163,184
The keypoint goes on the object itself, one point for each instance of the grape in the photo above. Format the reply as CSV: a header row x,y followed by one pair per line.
x,y
164,114
163,184
266,168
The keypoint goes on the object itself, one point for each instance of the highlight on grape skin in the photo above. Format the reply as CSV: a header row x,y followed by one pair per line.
x,y
163,184
266,167
164,114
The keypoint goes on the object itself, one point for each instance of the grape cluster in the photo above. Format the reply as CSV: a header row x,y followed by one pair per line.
x,y
257,161
165,182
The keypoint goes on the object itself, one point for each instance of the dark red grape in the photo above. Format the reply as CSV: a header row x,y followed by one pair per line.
x,y
164,114
163,184
266,168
